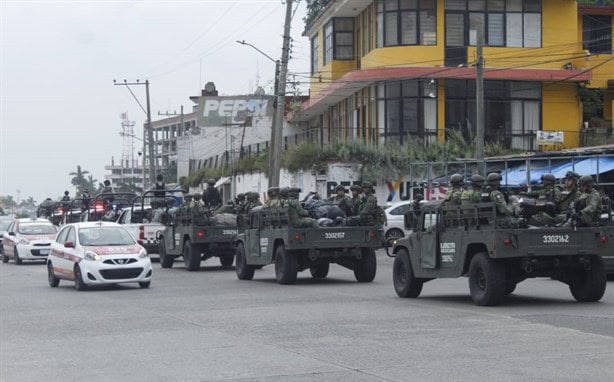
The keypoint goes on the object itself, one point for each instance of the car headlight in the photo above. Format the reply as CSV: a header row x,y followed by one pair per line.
x,y
24,241
143,253
91,256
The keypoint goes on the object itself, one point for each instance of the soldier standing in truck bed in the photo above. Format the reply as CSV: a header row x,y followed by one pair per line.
x,y
272,198
473,194
550,194
455,192
368,210
356,200
342,200
569,194
587,207
211,196
505,215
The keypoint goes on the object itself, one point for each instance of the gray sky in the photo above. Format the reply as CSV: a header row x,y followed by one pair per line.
x,y
58,59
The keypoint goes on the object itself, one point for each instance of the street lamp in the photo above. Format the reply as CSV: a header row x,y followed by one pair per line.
x,y
275,148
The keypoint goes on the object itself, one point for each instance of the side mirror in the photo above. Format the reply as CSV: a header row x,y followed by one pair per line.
x,y
11,233
69,244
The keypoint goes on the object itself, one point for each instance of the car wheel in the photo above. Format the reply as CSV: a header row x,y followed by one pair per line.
x,y
53,281
5,258
486,280
286,266
588,285
144,284
403,278
227,260
16,258
166,261
394,234
80,285
366,268
190,257
244,270
319,271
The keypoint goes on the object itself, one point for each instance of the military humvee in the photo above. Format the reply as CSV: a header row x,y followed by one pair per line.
x,y
195,240
453,241
266,237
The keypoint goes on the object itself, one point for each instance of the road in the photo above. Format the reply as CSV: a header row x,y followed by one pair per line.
x,y
209,326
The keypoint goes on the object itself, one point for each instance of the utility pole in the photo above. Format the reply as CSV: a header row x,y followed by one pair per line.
x,y
281,101
479,104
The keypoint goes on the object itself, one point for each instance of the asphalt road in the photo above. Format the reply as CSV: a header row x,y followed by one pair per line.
x,y
209,326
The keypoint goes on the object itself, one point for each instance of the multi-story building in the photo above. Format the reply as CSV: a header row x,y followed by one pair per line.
x,y
125,175
398,70
166,131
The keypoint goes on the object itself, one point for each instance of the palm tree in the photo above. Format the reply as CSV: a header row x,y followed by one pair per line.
x,y
78,179
91,184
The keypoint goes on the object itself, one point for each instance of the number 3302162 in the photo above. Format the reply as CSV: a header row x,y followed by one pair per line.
x,y
556,238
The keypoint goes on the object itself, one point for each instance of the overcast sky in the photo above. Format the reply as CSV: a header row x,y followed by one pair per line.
x,y
59,108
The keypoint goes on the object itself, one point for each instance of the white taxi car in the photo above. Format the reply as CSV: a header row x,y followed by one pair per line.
x,y
97,253
28,239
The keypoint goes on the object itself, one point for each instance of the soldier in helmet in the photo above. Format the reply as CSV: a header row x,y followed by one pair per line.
x,y
505,215
455,191
66,197
272,198
283,196
297,215
356,200
369,209
253,200
159,185
569,194
211,196
240,203
550,194
474,194
341,200
586,209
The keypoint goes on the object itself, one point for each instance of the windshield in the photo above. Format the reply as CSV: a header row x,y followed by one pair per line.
x,y
4,224
98,236
37,229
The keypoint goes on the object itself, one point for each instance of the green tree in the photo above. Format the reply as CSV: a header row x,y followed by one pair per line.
x,y
78,179
91,184
169,174
314,8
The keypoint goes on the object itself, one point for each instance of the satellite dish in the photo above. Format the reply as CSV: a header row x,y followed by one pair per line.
x,y
210,87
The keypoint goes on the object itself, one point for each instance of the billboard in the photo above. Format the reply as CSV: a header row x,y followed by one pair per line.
x,y
219,111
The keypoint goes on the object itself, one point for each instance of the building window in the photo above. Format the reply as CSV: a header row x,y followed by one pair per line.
x,y
512,23
597,34
409,110
328,42
406,22
343,39
314,55
512,111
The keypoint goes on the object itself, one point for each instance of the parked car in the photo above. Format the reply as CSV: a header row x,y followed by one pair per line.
x,y
97,253
28,239
394,228
5,221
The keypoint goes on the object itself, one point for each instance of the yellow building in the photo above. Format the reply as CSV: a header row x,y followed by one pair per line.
x,y
397,70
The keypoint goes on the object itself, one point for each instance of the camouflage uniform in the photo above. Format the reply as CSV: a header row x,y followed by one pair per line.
x,y
273,198
474,194
342,201
587,208
568,196
297,215
211,197
369,209
549,193
356,201
505,215
283,197
454,194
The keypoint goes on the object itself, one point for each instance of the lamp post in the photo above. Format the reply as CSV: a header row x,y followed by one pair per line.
x,y
276,122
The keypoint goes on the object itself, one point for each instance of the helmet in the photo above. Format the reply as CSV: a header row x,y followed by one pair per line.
x,y
198,196
273,191
572,175
355,187
586,180
159,177
456,179
188,196
418,197
66,192
493,177
339,188
294,191
211,181
548,178
284,191
477,180
241,196
367,185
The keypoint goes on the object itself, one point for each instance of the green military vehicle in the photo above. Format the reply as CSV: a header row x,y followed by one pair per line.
x,y
195,238
452,241
266,237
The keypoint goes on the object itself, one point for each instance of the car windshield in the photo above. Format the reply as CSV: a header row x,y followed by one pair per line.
x,y
4,224
97,236
37,229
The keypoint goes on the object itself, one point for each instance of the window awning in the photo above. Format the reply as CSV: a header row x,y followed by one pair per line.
x,y
587,166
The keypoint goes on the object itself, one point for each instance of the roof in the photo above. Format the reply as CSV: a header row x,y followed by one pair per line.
x,y
595,9
353,81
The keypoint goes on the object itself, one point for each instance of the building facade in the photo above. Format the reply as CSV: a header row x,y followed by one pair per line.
x,y
399,70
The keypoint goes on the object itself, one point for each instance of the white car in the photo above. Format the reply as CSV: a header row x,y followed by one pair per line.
x,y
97,253
5,221
28,239
395,215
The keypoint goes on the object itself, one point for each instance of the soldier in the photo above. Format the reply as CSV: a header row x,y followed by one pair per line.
x,y
505,218
159,185
587,208
66,197
188,202
455,192
283,197
368,212
211,197
474,194
297,215
272,198
240,203
342,200
568,195
550,194
356,200
254,201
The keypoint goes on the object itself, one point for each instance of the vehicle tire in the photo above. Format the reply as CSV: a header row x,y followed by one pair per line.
x,y
286,266
510,287
394,234
486,280
5,258
53,281
227,260
366,268
190,257
403,278
319,271
80,285
16,258
166,261
588,285
144,284
244,270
